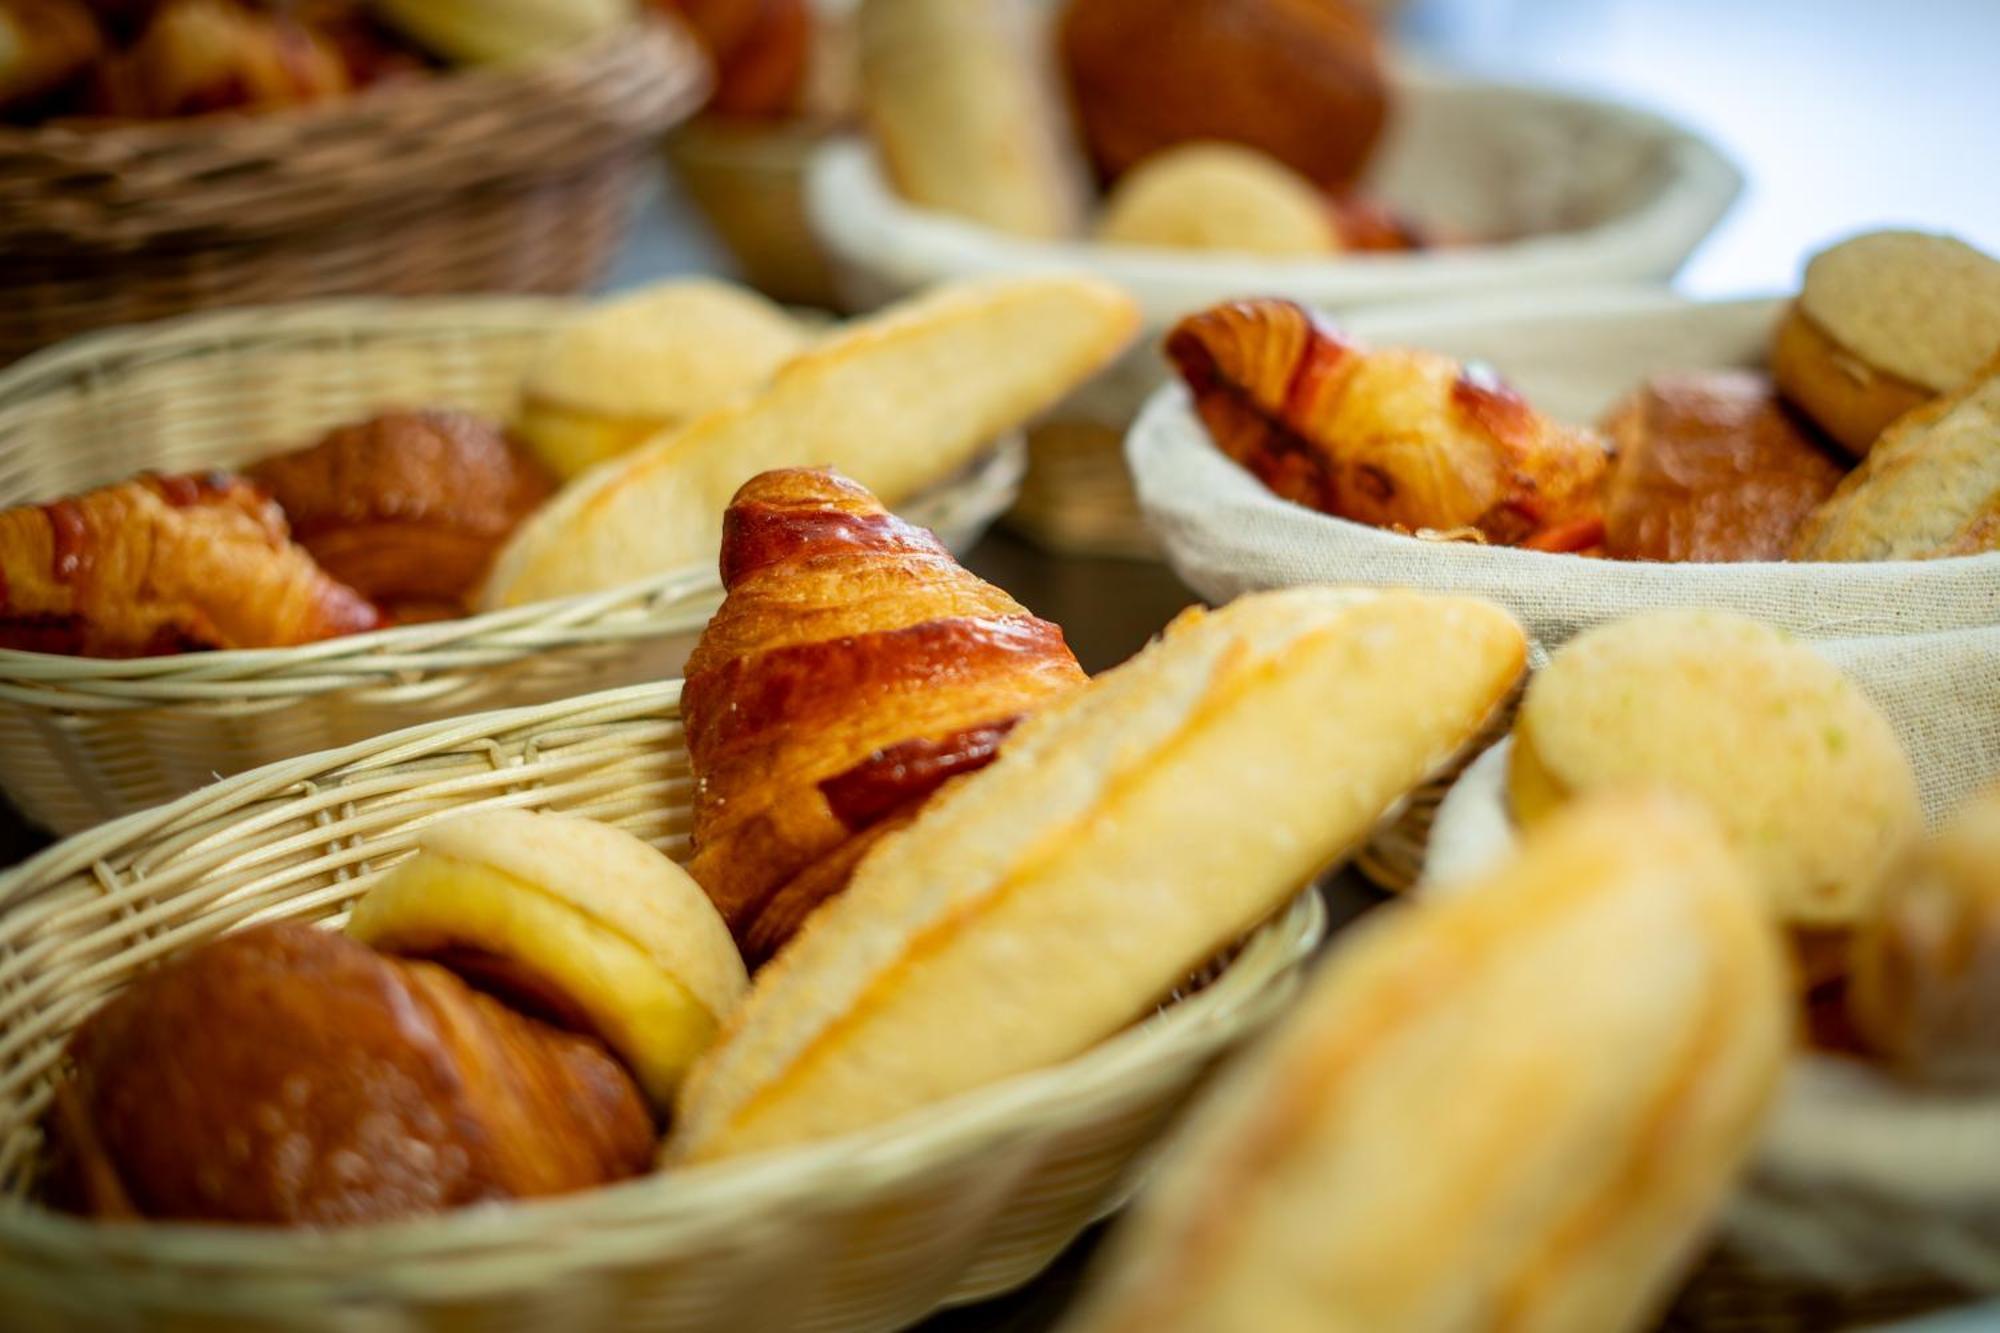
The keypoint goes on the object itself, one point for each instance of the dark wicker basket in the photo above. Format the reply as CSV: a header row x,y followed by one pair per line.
x,y
511,179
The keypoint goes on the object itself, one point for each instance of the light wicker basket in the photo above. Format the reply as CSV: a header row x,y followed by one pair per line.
x,y
507,179
83,741
868,1232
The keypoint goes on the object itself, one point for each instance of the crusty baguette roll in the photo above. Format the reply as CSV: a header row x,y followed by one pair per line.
x,y
1123,836
852,669
898,402
1518,1108
1883,322
624,370
1926,988
1804,773
1218,196
960,100
573,917
1930,487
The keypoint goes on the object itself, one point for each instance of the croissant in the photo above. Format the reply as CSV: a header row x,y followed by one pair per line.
x,y
199,56
408,508
163,565
853,667
1397,438
287,1075
44,45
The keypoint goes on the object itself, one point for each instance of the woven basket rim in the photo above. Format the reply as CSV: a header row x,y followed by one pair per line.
x,y
670,602
702,1199
605,95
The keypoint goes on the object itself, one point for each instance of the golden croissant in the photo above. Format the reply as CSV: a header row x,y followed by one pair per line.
x,y
164,565
1395,438
852,669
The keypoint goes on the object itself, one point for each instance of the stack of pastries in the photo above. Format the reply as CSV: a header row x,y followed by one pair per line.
x,y
1205,125
911,802
636,422
1890,356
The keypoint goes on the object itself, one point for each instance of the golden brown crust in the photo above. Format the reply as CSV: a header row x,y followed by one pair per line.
x,y
853,667
164,565
328,1085
407,507
1300,80
1394,438
1710,467
1852,401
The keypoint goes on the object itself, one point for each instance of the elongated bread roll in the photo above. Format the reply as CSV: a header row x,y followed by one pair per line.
x,y
898,402
1517,1108
1123,836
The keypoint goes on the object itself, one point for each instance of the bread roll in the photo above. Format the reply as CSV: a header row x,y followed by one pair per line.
x,y
1805,775
625,370
1123,836
285,1075
1708,466
959,100
1930,487
1883,322
570,916
1214,196
1926,988
898,402
1519,1108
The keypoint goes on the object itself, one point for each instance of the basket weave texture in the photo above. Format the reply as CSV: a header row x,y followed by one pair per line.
x,y
511,179
82,741
863,1233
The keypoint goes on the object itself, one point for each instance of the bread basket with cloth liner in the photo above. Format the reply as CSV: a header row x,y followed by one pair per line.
x,y
1571,354
85,740
510,178
1560,188
866,1232
1871,1197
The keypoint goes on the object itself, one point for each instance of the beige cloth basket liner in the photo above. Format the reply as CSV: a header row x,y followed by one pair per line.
x,y
82,741
864,1233
1862,1180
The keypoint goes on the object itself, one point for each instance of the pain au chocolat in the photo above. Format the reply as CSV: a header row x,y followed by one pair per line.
x,y
854,667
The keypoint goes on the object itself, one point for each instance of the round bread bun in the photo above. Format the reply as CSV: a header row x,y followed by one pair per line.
x,y
627,368
1216,196
1805,774
575,917
1847,398
1926,992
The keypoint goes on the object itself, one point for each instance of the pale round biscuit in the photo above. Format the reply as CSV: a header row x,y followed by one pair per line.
x,y
1805,774
1923,307
1212,196
666,353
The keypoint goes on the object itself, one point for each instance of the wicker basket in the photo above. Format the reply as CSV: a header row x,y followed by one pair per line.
x,y
83,741
868,1232
511,179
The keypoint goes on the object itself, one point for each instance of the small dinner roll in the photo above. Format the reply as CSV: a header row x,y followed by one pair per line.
x,y
1216,196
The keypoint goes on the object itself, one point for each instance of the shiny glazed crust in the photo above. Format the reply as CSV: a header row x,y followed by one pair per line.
x,y
1515,1108
1037,906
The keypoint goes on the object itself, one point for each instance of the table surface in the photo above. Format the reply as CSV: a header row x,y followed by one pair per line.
x,y
1844,114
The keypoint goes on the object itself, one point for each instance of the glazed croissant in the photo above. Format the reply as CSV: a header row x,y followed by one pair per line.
x,y
1394,438
163,565
352,1088
408,508
853,668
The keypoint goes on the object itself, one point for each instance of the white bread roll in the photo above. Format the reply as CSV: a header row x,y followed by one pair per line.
x,y
1123,837
1516,1108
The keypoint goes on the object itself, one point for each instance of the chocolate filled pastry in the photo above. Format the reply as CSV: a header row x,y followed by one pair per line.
x,y
1396,438
1301,80
286,1075
165,565
1711,466
853,668
408,507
